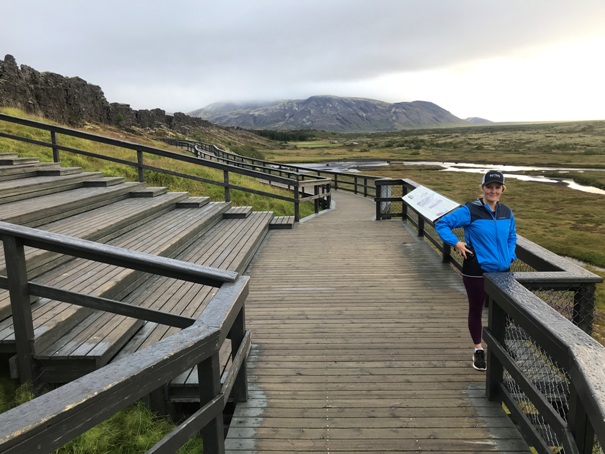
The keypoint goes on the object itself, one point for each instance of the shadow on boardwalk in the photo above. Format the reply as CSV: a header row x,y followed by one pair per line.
x,y
360,344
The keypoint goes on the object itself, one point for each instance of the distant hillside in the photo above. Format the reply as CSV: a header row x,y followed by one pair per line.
x,y
330,113
478,121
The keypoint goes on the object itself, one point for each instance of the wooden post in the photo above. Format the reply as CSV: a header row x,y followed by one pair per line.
x,y
23,326
447,253
140,166
497,328
420,225
296,203
404,207
53,139
583,307
227,190
580,426
209,379
237,333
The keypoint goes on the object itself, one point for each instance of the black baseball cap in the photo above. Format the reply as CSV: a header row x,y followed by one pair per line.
x,y
493,176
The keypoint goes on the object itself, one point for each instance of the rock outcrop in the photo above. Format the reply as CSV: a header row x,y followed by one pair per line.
x,y
73,101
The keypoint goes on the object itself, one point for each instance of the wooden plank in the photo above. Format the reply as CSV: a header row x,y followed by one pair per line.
x,y
360,344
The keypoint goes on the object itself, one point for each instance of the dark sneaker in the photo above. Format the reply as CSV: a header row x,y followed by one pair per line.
x,y
479,360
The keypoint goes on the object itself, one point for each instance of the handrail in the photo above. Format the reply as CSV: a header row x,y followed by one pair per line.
x,y
323,191
75,407
562,378
544,366
351,182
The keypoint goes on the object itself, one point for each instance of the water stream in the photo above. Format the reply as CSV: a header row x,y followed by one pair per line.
x,y
508,170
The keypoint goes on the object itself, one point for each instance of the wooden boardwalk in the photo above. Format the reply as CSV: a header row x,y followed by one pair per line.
x,y
360,345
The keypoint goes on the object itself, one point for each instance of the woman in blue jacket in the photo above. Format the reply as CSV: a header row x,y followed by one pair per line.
x,y
490,238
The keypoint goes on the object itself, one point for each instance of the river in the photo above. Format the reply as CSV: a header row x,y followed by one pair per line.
x,y
508,170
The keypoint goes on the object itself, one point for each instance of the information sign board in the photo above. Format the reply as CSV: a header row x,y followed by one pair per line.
x,y
428,203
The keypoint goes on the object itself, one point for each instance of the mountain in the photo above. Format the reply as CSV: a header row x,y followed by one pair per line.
x,y
478,121
330,113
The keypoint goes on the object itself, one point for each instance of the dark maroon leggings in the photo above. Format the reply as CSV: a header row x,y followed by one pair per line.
x,y
476,301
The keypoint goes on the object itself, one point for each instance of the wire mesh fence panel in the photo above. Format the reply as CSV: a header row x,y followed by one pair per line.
x,y
551,380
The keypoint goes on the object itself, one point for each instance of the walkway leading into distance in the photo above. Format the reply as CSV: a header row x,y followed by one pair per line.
x,y
360,345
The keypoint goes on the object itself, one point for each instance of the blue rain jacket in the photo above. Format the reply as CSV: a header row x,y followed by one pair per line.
x,y
491,235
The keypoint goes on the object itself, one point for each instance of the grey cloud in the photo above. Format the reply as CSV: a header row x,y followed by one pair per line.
x,y
279,46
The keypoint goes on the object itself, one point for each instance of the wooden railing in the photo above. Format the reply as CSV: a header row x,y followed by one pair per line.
x,y
304,189
54,418
542,362
350,182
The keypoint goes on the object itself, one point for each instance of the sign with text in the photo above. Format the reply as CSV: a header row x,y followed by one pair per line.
x,y
429,204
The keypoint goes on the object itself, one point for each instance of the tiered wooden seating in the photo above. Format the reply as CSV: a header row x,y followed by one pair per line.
x,y
71,340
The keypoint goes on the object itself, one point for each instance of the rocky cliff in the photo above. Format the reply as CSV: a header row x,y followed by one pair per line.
x,y
73,101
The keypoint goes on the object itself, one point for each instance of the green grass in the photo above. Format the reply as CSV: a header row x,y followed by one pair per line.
x,y
130,431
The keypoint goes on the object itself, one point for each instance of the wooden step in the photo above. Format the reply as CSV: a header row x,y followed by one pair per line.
x,y
282,222
238,212
193,202
164,235
48,208
59,171
149,192
25,171
27,188
229,245
11,160
101,224
103,182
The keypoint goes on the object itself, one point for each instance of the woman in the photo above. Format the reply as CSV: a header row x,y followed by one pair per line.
x,y
490,238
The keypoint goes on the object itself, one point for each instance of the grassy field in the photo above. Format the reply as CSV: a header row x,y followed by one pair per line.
x,y
574,144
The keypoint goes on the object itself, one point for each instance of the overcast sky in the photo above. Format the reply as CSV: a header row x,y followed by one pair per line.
x,y
504,60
